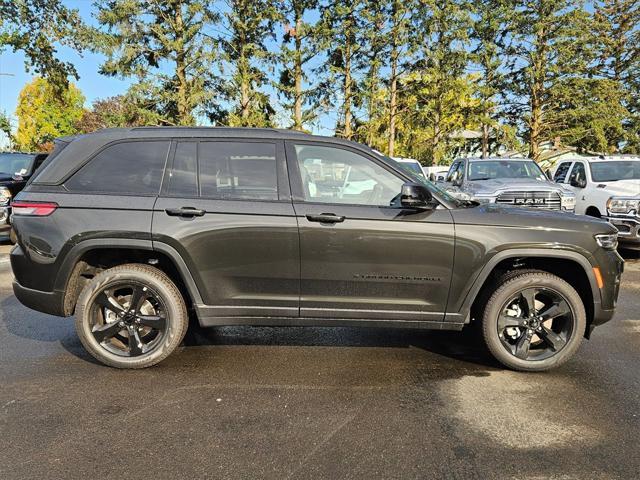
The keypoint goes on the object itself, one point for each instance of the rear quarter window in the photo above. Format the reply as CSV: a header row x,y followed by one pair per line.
x,y
126,167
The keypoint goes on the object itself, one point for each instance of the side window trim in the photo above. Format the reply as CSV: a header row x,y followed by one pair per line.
x,y
295,176
282,178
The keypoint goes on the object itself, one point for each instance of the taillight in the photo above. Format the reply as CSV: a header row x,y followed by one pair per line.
x,y
34,209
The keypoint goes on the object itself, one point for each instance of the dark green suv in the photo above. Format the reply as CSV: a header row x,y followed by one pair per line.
x,y
135,230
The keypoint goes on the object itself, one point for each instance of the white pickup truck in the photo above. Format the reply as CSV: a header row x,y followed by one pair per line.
x,y
607,187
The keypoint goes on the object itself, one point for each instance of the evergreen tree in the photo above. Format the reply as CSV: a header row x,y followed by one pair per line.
x,y
489,34
140,39
547,46
298,49
341,21
250,24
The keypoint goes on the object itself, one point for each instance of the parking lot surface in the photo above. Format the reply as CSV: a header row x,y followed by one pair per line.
x,y
317,403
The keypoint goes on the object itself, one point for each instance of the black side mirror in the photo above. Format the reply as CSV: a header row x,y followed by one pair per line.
x,y
578,182
414,195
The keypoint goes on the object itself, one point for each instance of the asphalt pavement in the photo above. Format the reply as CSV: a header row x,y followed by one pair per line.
x,y
311,403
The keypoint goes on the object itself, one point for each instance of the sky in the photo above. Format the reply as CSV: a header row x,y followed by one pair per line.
x,y
94,86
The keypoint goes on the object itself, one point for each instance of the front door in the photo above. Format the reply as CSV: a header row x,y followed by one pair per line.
x,y
361,258
225,207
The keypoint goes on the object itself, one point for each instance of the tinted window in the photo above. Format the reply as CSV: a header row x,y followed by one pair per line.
x,y
578,171
129,167
561,172
183,175
238,170
334,175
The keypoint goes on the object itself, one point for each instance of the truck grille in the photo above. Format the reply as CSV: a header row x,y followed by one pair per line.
x,y
544,200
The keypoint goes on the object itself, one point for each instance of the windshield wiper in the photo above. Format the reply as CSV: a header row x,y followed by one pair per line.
x,y
481,178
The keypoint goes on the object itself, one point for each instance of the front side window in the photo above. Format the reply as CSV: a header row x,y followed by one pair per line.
x,y
578,172
456,167
238,170
561,172
127,167
334,175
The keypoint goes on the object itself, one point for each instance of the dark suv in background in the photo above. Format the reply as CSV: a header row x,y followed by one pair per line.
x,y
133,230
15,170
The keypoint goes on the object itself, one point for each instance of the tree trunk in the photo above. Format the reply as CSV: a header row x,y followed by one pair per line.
x,y
184,111
393,84
245,100
485,140
347,91
297,107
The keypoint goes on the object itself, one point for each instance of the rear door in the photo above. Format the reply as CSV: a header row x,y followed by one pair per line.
x,y
362,258
225,206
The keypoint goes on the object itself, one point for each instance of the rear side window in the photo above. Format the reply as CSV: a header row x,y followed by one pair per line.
x,y
561,172
128,167
238,170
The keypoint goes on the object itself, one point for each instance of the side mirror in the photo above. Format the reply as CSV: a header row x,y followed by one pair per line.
x,y
416,196
578,182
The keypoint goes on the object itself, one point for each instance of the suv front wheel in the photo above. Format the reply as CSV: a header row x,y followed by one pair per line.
x,y
131,316
534,321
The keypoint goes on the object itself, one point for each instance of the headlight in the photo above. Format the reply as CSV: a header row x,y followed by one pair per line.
x,y
568,201
608,241
484,198
5,196
623,205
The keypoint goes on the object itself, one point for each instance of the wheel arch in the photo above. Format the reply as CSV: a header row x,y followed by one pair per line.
x,y
570,266
88,257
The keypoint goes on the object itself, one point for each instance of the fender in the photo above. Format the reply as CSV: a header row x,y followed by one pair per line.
x,y
79,249
463,314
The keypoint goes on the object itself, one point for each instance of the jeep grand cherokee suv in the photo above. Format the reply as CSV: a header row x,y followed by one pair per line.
x,y
133,230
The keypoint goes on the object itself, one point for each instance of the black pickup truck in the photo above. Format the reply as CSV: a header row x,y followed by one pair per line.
x,y
15,170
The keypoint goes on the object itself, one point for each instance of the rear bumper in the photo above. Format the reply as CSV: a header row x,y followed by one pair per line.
x,y
45,302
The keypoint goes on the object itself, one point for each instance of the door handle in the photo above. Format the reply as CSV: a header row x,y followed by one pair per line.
x,y
326,218
185,212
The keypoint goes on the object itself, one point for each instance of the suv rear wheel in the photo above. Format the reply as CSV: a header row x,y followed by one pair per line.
x,y
131,316
534,322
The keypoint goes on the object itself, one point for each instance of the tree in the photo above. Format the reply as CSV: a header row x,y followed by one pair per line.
x,y
438,84
301,35
141,38
340,24
547,46
5,127
249,23
616,41
43,116
113,112
399,48
36,27
489,34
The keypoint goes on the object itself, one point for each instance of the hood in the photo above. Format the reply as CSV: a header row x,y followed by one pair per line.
x,y
622,188
6,178
503,184
493,214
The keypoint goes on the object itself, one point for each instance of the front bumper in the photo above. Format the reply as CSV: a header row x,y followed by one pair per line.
x,y
5,218
628,228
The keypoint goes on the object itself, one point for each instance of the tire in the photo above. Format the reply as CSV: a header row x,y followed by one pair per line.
x,y
550,349
156,292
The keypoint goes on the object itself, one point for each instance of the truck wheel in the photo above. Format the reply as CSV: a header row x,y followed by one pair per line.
x,y
534,322
131,316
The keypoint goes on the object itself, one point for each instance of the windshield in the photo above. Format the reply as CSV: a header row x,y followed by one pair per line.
x,y
16,163
610,171
421,179
412,167
490,169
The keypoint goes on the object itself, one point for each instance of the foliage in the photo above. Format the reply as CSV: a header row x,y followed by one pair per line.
x,y
5,127
114,112
167,46
250,24
36,28
43,116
